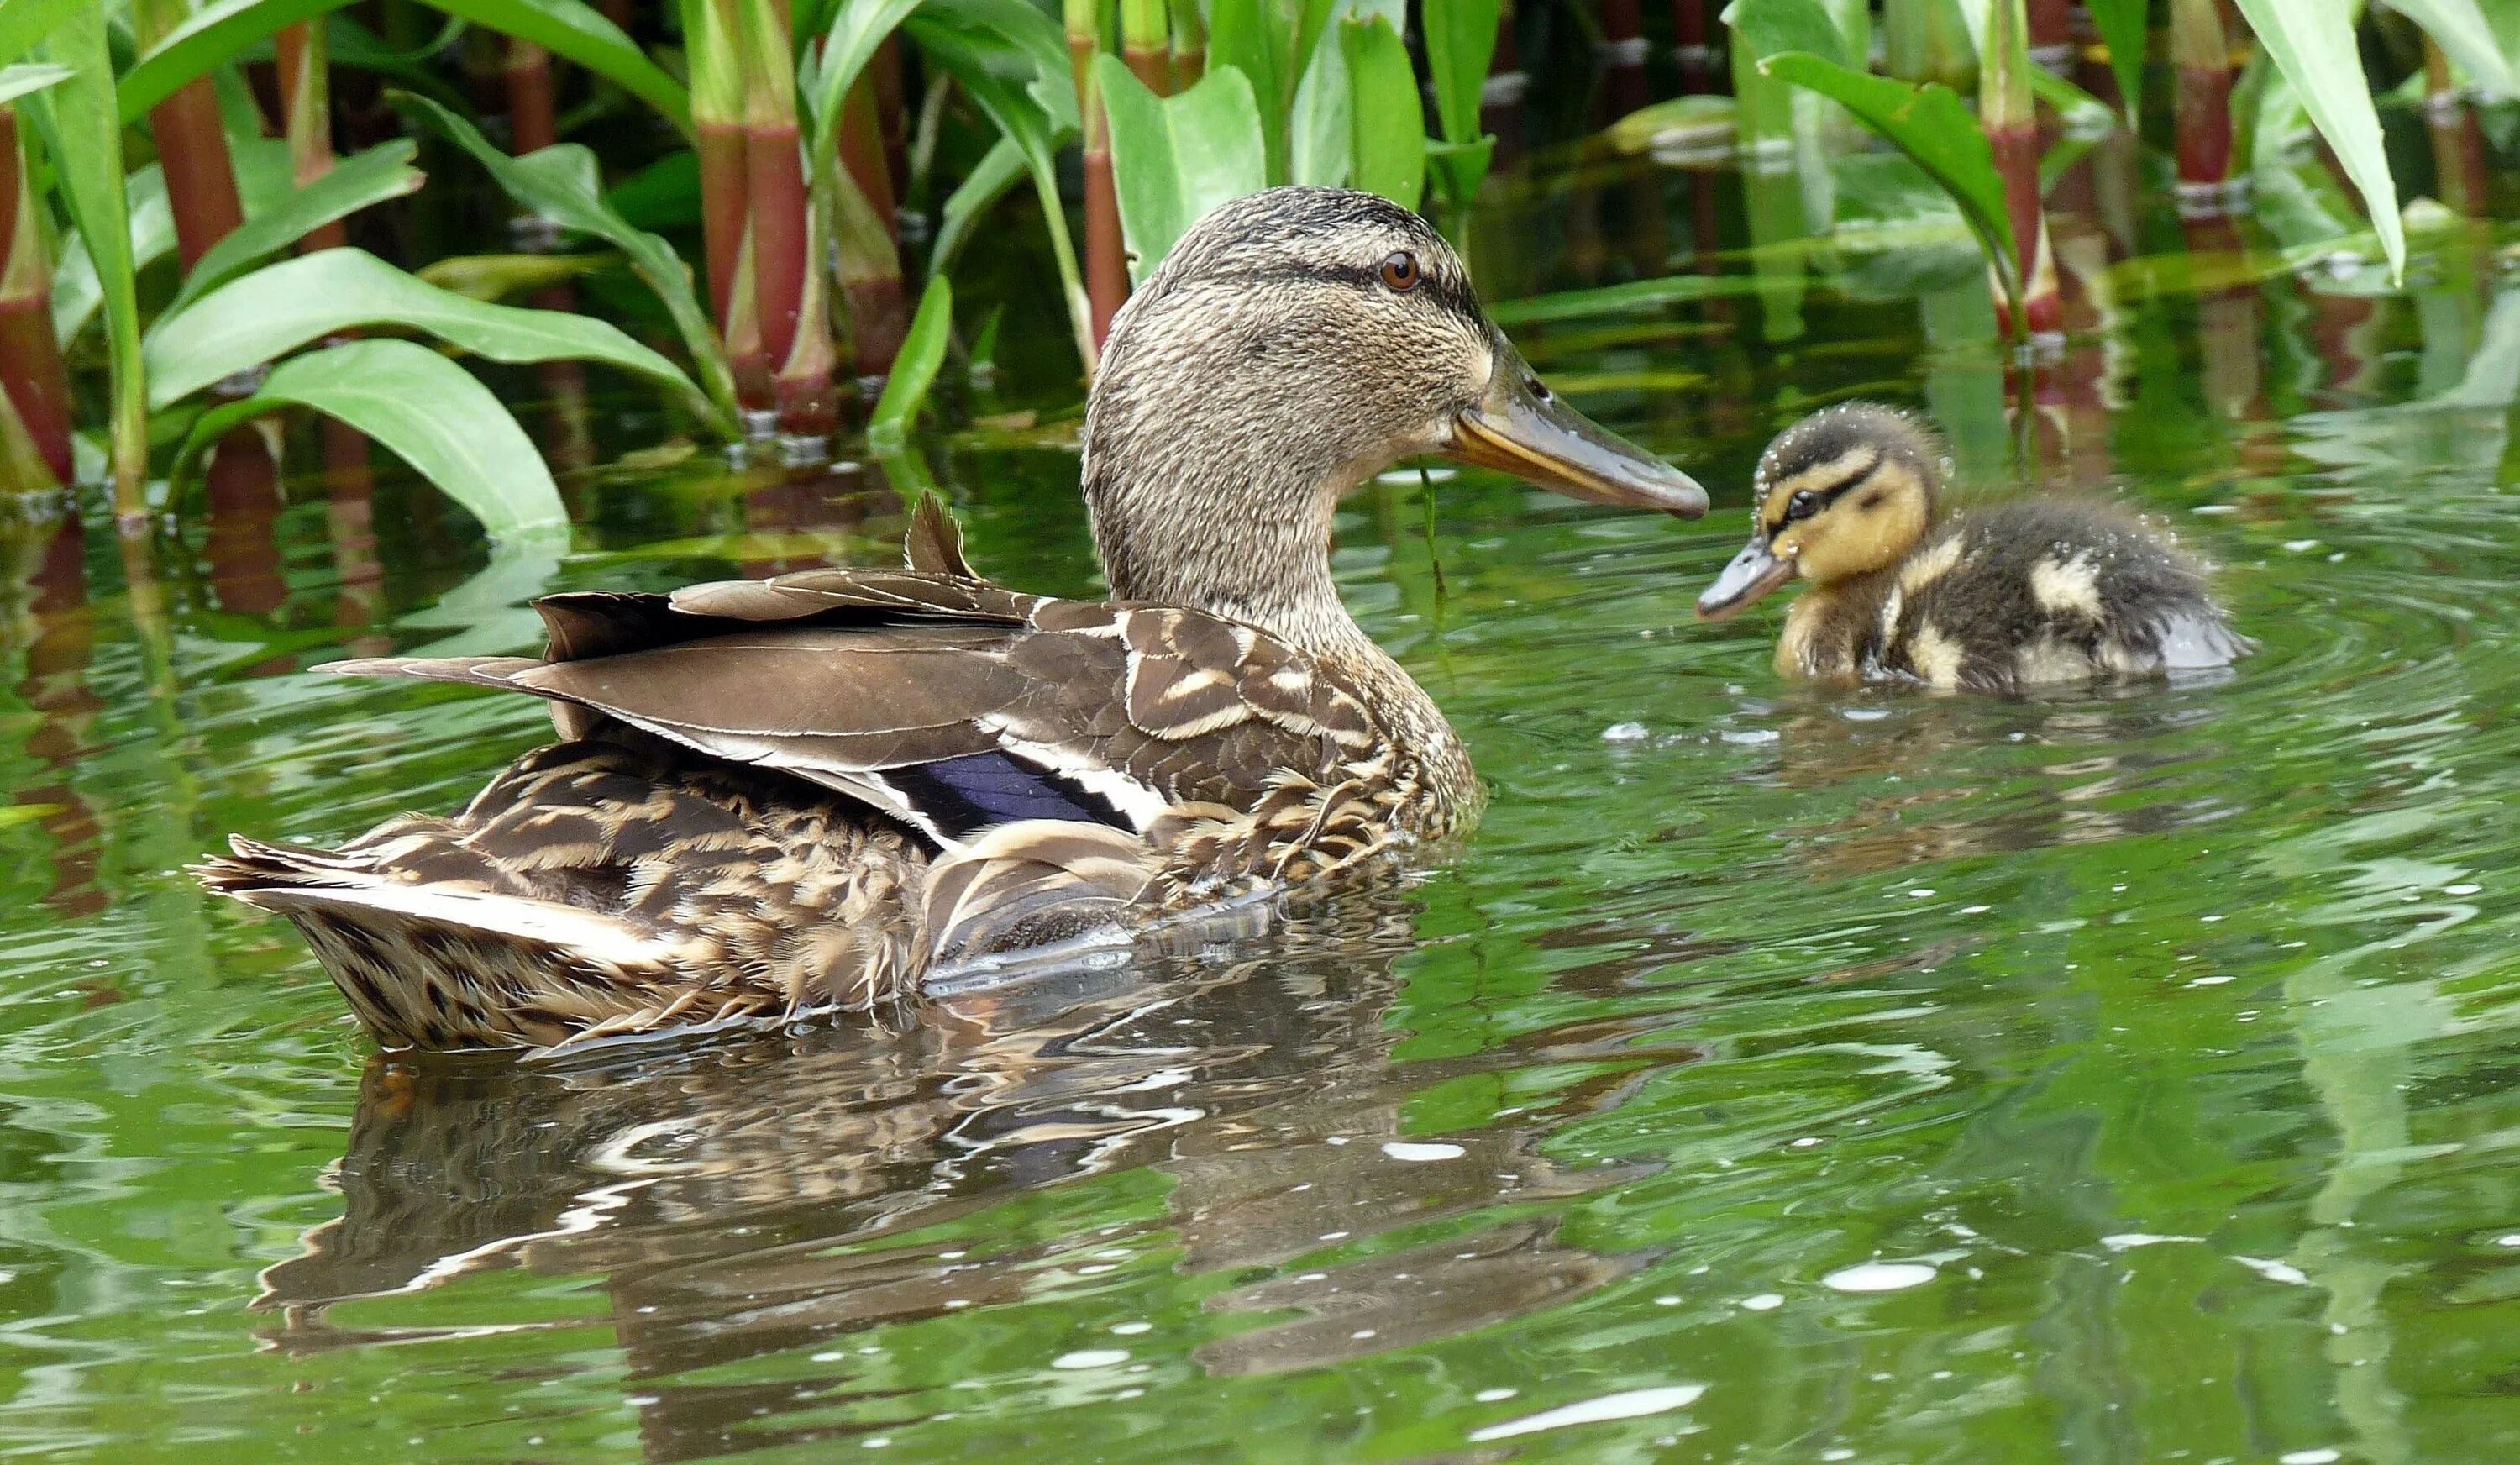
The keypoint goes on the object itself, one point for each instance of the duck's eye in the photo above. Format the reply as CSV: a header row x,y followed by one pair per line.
x,y
1802,505
1399,271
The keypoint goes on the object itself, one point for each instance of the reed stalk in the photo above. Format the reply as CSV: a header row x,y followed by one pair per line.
x,y
863,221
1926,40
773,178
717,129
307,109
1691,47
1190,44
2461,176
892,113
2051,33
1146,43
1106,266
2005,110
2201,53
532,115
191,146
809,407
1622,55
35,406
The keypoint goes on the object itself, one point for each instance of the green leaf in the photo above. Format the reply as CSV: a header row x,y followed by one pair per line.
x,y
856,31
1457,167
2121,25
224,31
1271,42
2465,35
281,308
1932,125
2312,43
86,141
988,181
1389,124
27,77
1461,39
354,182
425,408
76,293
560,184
1011,60
1620,299
1770,27
23,24
914,371
1320,142
1175,157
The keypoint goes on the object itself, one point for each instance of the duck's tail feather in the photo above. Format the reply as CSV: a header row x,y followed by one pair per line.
x,y
437,967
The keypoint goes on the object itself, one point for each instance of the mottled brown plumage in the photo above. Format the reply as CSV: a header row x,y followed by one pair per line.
x,y
2009,596
820,791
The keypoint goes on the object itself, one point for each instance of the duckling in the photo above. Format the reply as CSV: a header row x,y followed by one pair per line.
x,y
2014,594
820,792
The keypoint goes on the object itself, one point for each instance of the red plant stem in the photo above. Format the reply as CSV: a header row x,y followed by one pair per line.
x,y
878,308
2052,31
200,182
775,186
2459,168
1106,270
2200,51
1106,267
892,109
533,116
307,108
1623,55
721,150
1691,47
30,356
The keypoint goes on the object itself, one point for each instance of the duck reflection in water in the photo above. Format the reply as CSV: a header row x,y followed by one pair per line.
x,y
741,1201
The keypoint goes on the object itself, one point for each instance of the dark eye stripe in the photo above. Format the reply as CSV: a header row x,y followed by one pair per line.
x,y
1829,496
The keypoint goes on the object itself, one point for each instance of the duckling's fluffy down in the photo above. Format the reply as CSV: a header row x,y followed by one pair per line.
x,y
2044,591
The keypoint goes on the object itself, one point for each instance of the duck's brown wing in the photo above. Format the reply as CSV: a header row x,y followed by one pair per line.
x,y
945,702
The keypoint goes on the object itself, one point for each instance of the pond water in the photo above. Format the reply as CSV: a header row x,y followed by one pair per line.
x,y
1775,1076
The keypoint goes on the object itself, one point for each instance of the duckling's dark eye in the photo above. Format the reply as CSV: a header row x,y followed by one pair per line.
x,y
1802,505
1399,271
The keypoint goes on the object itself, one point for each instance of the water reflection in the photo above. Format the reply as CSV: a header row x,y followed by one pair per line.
x,y
764,1197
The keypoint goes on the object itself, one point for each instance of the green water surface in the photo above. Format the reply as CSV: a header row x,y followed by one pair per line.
x,y
1778,1075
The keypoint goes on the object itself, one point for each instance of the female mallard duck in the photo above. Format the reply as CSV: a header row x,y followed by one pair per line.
x,y
2002,597
821,791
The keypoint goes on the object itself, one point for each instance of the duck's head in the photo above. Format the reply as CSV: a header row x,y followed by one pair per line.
x,y
1294,344
1846,491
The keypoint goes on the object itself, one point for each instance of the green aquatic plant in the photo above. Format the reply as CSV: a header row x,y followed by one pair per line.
x,y
1982,159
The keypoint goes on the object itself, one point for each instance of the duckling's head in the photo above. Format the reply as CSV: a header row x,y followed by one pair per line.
x,y
1295,343
1846,491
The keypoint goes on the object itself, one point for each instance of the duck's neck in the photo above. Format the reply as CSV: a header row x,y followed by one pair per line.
x,y
1213,509
1199,506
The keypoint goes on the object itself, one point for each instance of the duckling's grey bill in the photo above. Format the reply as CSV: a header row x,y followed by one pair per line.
x,y
1521,430
1753,573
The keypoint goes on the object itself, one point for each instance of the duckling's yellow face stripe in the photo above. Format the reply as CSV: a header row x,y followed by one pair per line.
x,y
1872,512
1820,480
